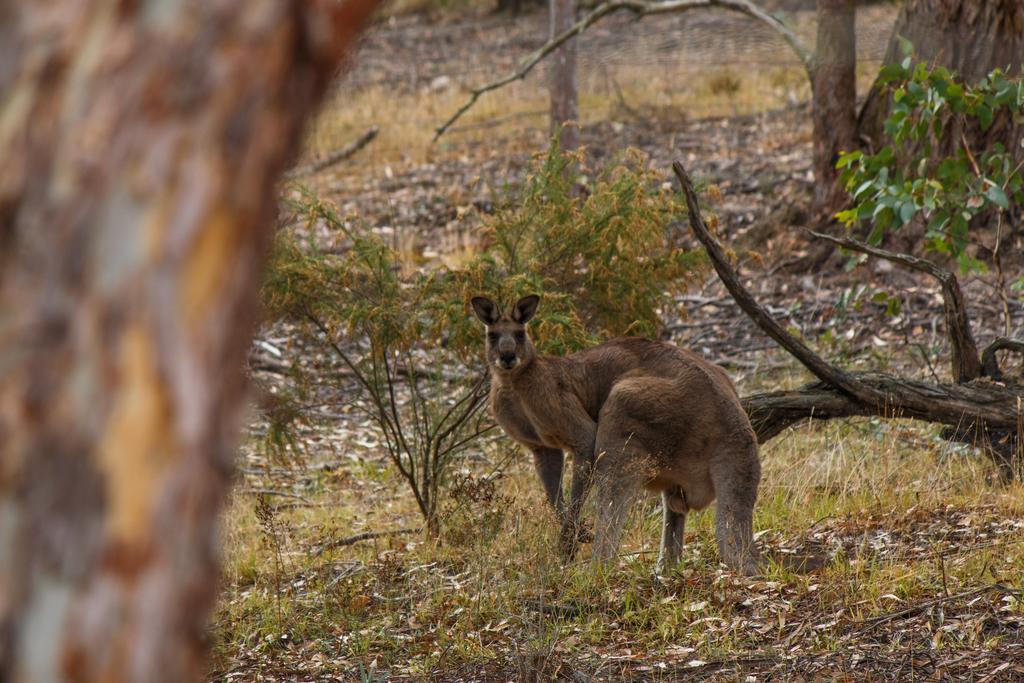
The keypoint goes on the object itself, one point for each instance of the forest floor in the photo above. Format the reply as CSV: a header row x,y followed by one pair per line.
x,y
890,553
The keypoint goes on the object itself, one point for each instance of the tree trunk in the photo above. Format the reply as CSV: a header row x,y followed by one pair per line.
x,y
141,145
971,37
834,100
564,107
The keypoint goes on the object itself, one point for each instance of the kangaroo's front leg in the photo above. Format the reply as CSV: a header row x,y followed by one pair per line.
x,y
549,463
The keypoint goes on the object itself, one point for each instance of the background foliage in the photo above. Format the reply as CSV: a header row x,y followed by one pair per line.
x,y
929,172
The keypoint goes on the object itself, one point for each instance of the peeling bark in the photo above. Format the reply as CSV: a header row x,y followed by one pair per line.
x,y
141,145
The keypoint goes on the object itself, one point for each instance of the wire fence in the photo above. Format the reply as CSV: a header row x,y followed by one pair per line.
x,y
418,64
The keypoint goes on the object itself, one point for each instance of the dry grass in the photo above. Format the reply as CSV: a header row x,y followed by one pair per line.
x,y
857,519
513,120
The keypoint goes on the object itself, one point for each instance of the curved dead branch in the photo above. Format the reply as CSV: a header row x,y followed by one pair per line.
x,y
984,413
964,351
334,157
818,366
641,9
989,362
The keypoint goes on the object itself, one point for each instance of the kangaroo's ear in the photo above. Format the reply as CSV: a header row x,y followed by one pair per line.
x,y
525,309
485,310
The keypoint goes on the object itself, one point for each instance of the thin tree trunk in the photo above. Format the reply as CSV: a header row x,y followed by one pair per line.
x,y
564,101
834,87
971,37
141,145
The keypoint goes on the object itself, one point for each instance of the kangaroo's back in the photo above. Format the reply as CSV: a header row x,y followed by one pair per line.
x,y
599,368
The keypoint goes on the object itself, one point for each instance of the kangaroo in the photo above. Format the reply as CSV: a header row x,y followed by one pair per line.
x,y
634,413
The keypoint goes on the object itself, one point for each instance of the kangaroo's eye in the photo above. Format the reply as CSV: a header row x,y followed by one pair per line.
x,y
493,337
520,336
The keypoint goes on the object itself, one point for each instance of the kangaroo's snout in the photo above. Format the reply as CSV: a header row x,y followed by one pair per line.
x,y
506,349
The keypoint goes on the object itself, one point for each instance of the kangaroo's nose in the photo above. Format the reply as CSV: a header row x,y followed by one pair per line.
x,y
507,360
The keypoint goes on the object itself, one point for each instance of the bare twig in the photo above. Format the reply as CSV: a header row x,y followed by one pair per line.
x,y
334,157
282,494
922,606
364,536
965,362
641,9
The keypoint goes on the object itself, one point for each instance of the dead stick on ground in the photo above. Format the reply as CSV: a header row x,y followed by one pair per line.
x,y
364,536
641,9
334,157
282,494
920,607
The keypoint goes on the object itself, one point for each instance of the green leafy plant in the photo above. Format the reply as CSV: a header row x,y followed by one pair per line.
x,y
377,323
929,172
606,260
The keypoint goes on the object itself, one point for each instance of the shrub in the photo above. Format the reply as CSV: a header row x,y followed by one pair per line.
x,y
924,173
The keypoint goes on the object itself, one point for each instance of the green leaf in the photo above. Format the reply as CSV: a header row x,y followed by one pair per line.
x,y
906,47
875,237
998,197
847,158
984,114
891,72
864,187
907,211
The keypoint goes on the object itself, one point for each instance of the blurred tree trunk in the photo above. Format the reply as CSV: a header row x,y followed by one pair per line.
x,y
564,101
834,101
514,7
971,37
141,145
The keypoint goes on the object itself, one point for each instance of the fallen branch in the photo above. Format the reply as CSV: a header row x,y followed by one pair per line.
x,y
364,536
922,606
957,405
334,157
641,9
964,351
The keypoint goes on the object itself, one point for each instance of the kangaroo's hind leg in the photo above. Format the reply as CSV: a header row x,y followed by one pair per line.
x,y
620,477
673,504
736,473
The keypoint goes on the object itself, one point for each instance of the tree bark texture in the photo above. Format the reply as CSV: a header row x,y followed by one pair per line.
x,y
563,87
971,37
141,145
834,98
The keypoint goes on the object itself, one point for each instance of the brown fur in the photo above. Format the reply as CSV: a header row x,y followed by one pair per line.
x,y
635,414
